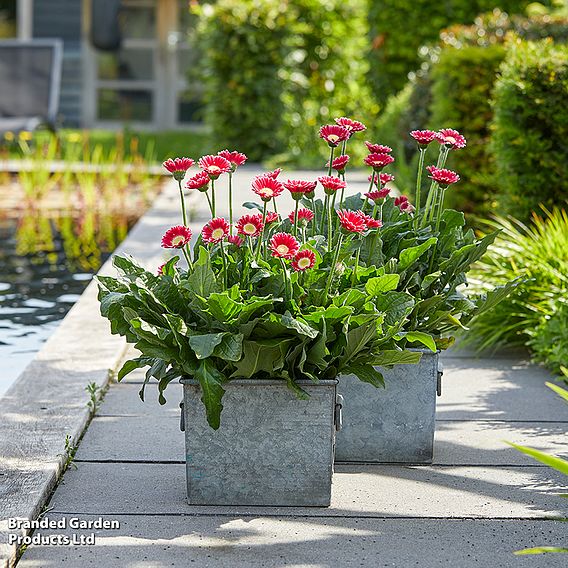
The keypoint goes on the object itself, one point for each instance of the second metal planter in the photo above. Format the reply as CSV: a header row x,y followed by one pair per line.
x,y
391,425
271,448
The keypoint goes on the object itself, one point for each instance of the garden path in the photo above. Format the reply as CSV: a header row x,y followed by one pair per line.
x,y
479,501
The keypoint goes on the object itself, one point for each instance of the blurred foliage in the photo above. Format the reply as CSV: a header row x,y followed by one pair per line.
x,y
531,127
275,70
399,28
536,315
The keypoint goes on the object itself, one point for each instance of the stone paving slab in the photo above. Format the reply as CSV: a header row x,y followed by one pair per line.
x,y
501,389
157,438
233,542
358,491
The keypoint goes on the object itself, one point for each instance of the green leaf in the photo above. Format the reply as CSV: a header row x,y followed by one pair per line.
x,y
410,255
541,550
222,308
202,280
420,337
386,283
212,391
133,364
552,461
367,374
493,297
169,268
297,325
127,265
393,357
296,388
264,355
204,345
396,306
230,348
558,390
356,340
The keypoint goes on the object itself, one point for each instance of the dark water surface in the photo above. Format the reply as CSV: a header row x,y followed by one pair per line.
x,y
46,261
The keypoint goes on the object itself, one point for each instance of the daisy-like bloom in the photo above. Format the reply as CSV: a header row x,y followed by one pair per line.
x,y
352,221
271,217
378,161
333,134
423,137
235,240
304,216
378,148
162,266
372,223
178,166
377,195
451,138
267,187
199,181
381,179
274,173
304,260
443,176
298,188
249,225
331,184
214,165
215,231
351,125
403,204
176,237
236,158
339,163
283,245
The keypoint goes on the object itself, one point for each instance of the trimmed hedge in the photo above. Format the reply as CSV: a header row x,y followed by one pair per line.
x,y
531,127
398,28
276,69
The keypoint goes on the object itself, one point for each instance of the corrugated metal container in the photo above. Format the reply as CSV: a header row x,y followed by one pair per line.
x,y
271,449
391,425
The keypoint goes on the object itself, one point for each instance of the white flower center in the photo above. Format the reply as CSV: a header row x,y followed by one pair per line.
x,y
304,262
282,249
214,169
178,240
333,138
218,233
267,192
450,140
249,229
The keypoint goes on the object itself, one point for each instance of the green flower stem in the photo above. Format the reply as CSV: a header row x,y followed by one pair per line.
x,y
369,190
315,219
231,202
343,147
285,274
330,160
187,256
210,204
213,197
225,276
182,198
419,185
329,221
296,219
432,193
332,268
261,236
440,208
275,208
324,214
354,273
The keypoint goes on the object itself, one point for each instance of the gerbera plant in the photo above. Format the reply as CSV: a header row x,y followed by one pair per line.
x,y
340,284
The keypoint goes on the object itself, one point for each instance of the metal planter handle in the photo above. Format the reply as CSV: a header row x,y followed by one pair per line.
x,y
338,414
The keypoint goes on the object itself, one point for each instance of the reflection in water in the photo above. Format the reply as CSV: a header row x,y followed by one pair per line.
x,y
46,261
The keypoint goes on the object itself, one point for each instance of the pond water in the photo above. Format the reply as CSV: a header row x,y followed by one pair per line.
x,y
46,261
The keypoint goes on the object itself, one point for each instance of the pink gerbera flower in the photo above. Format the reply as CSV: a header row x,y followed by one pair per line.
x,y
267,187
378,161
331,184
443,176
236,158
271,217
176,237
385,178
284,245
304,260
352,221
333,134
304,216
298,188
423,137
403,204
274,173
377,195
214,165
199,181
378,148
249,225
372,223
351,125
178,166
215,231
162,266
235,240
339,163
451,138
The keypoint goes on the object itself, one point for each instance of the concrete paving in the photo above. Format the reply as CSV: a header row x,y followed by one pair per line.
x,y
474,506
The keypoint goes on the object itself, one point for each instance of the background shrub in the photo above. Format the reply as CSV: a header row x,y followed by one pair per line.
x,y
531,127
399,28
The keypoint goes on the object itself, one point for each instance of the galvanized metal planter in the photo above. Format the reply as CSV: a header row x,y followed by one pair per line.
x,y
271,448
391,425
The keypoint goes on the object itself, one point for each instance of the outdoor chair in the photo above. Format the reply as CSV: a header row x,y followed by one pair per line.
x,y
30,77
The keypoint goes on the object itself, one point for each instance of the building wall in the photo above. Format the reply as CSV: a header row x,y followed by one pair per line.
x,y
62,19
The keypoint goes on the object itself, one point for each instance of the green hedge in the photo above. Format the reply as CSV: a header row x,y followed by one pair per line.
x,y
531,127
274,70
398,28
462,85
